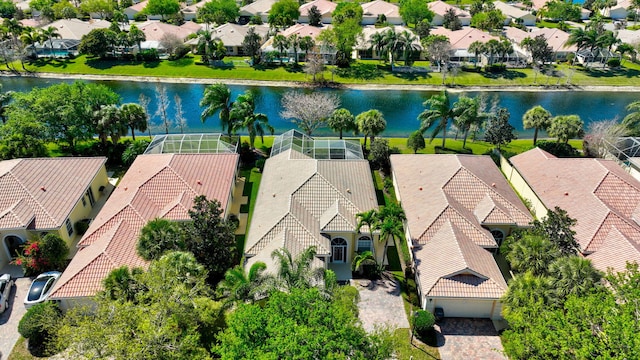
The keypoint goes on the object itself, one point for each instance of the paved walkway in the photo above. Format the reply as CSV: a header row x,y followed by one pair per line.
x,y
9,319
468,339
380,303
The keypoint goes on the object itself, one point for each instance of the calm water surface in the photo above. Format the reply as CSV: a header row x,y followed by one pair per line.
x,y
400,107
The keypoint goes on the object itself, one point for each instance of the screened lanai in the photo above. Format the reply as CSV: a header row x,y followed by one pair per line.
x,y
317,148
190,144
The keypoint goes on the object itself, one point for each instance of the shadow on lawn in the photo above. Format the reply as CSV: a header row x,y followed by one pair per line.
x,y
508,74
360,71
56,63
610,73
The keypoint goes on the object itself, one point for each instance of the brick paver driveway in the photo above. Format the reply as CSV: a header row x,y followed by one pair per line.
x,y
468,339
10,319
380,303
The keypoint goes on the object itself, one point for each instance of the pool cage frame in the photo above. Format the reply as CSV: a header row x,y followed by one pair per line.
x,y
212,143
319,149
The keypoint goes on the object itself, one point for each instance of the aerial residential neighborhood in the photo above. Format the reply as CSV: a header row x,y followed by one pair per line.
x,y
319,179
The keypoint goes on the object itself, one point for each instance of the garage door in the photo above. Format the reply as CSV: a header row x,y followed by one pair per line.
x,y
465,308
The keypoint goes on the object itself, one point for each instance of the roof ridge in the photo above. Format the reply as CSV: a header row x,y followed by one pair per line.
x,y
15,178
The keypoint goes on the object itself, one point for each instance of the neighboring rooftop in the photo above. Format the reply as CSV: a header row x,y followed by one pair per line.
x,y
463,38
190,144
380,7
440,8
40,193
155,186
317,148
325,7
75,28
598,193
451,202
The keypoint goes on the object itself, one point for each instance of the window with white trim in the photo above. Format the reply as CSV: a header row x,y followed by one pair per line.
x,y
364,244
69,227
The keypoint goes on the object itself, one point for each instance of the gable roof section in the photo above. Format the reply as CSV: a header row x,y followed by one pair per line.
x,y
511,11
463,38
440,8
75,28
600,195
234,34
40,193
157,185
156,30
460,269
325,7
305,197
258,7
380,7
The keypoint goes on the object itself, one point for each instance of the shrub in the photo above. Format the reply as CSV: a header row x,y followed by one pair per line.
x,y
40,324
495,68
557,149
423,321
148,55
379,155
179,52
133,150
260,164
247,156
613,63
43,254
139,17
255,20
82,226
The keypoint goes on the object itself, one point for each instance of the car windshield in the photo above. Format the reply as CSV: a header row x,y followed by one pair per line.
x,y
3,284
36,288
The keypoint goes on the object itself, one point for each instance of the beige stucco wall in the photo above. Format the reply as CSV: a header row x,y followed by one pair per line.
x,y
521,186
352,244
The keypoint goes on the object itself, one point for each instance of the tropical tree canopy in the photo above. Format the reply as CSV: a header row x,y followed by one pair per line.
x,y
370,123
537,118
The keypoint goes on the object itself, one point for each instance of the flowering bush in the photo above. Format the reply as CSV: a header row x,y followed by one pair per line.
x,y
43,254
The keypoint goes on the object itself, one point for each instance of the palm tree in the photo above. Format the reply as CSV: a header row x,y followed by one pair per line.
x,y
297,273
389,227
342,120
306,44
243,116
532,253
137,36
393,43
370,123
205,43
240,286
476,48
468,114
409,45
378,43
574,275
30,37
632,120
536,118
122,284
49,34
439,112
5,99
157,237
368,218
362,259
281,43
294,42
492,47
624,48
527,288
110,124
135,117
217,99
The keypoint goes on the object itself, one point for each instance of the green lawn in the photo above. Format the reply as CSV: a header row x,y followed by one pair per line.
x,y
361,72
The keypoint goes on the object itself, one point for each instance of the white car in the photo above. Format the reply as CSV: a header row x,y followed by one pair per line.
x,y
41,288
6,283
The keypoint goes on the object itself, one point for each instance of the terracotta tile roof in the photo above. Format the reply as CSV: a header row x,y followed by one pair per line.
x,y
324,6
600,195
257,7
40,193
460,269
447,199
310,197
156,30
380,7
441,8
462,39
158,185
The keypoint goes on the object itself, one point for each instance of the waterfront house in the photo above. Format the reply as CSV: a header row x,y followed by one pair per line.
x,y
258,8
373,10
325,7
515,15
440,8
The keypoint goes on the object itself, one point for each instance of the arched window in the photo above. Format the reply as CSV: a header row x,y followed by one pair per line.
x,y
498,235
14,245
364,244
338,250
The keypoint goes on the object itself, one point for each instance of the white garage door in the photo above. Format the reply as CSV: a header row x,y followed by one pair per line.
x,y
466,308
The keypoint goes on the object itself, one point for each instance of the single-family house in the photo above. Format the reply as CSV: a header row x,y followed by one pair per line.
x,y
259,8
155,186
631,37
190,12
515,15
310,193
48,195
232,36
372,10
459,208
75,29
135,9
598,193
618,11
156,30
460,41
325,7
556,39
440,8
364,49
302,30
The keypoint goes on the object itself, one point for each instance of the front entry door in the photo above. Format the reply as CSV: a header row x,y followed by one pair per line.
x,y
338,250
